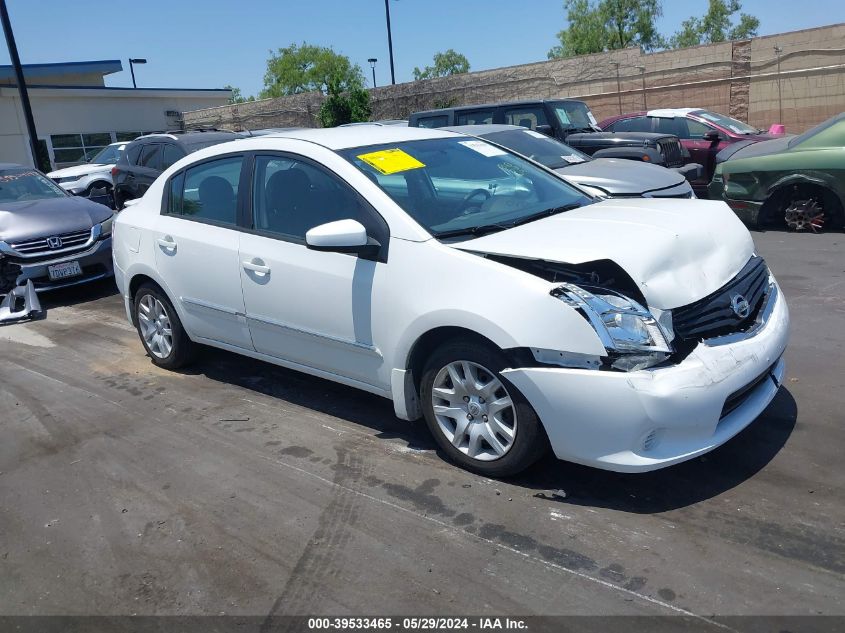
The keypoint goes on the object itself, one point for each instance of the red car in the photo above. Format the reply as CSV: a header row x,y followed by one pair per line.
x,y
703,134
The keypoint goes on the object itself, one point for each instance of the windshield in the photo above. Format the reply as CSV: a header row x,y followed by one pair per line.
x,y
19,185
455,186
574,115
538,147
738,127
108,155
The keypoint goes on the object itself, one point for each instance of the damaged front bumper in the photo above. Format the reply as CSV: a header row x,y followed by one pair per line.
x,y
645,420
21,302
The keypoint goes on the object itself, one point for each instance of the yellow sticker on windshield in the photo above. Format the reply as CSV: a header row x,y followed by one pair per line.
x,y
391,161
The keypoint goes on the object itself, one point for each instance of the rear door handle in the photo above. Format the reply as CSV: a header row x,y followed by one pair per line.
x,y
167,242
256,266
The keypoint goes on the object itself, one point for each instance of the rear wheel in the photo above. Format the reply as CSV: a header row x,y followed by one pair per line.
x,y
160,329
478,418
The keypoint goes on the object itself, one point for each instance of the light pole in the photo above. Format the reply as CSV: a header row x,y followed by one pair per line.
x,y
642,74
16,62
137,60
389,41
373,61
618,88
778,51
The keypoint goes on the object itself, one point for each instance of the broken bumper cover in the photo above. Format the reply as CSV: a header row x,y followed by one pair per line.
x,y
95,262
20,303
650,419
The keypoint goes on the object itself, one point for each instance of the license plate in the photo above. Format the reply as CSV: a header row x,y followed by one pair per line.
x,y
64,270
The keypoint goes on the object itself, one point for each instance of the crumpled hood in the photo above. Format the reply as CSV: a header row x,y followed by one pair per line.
x,y
676,251
618,176
32,219
78,171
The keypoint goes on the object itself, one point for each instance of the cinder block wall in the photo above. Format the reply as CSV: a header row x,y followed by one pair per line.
x,y
736,78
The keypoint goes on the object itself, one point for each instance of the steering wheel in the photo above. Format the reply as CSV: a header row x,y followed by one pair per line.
x,y
466,203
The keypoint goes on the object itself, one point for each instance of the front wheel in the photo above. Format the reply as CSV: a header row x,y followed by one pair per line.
x,y
479,419
160,329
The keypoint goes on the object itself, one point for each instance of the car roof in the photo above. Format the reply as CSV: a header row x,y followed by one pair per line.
x,y
480,106
484,128
191,136
337,138
671,113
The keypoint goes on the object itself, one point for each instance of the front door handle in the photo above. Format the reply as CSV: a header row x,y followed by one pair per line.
x,y
256,266
167,243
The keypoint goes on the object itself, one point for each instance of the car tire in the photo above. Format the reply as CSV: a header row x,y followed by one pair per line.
x,y
471,422
155,317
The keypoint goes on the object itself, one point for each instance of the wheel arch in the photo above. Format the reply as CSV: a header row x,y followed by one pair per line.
x,y
137,278
781,189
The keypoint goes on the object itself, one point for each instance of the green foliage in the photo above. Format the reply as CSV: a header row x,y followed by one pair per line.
x,y
341,107
716,25
237,97
607,25
445,64
305,68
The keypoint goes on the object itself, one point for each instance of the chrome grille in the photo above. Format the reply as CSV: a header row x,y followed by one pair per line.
x,y
672,153
41,246
714,316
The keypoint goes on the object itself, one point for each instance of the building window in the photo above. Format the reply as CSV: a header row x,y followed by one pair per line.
x,y
78,148
127,136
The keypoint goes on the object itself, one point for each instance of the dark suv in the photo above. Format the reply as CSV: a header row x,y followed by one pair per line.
x,y
147,156
570,121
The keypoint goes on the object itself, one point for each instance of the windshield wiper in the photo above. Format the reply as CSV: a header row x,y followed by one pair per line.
x,y
475,231
482,229
545,213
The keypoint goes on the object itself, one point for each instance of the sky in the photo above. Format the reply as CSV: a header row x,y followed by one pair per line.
x,y
212,43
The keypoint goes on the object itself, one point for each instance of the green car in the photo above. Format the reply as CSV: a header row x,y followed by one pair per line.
x,y
795,181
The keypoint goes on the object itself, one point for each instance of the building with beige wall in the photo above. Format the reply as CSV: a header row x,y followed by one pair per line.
x,y
76,114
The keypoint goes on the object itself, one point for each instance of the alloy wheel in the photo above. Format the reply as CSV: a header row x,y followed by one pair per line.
x,y
803,215
474,410
155,326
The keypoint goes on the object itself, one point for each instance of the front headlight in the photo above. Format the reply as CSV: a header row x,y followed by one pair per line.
x,y
105,227
630,333
66,179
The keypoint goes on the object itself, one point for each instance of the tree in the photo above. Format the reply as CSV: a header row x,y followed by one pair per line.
x,y
445,64
236,95
341,107
608,25
306,68
716,26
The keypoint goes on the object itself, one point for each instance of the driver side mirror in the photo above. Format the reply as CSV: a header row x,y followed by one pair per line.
x,y
545,129
342,236
712,136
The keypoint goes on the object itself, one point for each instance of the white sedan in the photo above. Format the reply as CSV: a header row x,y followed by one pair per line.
x,y
470,286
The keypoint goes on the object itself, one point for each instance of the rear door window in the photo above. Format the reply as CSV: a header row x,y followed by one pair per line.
x,y
150,156
133,153
208,191
635,124
676,126
172,153
440,120
474,117
528,117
